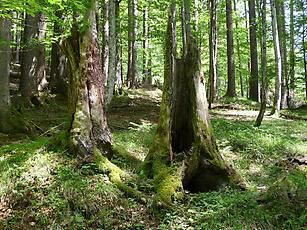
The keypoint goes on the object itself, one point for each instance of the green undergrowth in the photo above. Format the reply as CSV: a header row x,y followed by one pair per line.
x,y
48,188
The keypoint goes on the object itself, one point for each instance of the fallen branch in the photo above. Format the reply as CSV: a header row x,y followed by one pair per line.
x,y
293,117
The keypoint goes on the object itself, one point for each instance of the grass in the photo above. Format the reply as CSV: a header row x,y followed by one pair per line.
x,y
44,188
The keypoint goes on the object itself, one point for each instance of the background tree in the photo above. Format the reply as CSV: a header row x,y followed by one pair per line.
x,y
253,82
231,84
5,57
132,45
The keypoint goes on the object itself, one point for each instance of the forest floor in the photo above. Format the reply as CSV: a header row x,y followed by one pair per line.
x,y
43,186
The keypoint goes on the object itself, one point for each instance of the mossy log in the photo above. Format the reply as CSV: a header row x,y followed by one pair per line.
x,y
184,154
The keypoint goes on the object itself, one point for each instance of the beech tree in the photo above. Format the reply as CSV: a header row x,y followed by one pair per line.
x,y
264,78
132,46
184,152
5,57
278,61
253,82
88,130
231,76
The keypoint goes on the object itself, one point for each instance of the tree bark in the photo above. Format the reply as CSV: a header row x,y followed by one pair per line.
x,y
119,67
184,153
88,128
280,12
292,57
239,53
264,88
231,84
254,81
58,66
146,50
5,58
213,52
105,38
29,59
247,39
112,53
132,47
278,61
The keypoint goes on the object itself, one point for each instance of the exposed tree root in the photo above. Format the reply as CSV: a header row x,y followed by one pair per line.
x,y
116,174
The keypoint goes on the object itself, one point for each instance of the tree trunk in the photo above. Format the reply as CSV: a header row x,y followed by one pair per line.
x,y
5,58
280,12
41,64
184,153
254,81
119,67
105,38
278,73
58,66
239,54
264,88
112,53
213,52
88,128
247,39
292,57
17,38
29,59
132,49
304,51
146,50
231,84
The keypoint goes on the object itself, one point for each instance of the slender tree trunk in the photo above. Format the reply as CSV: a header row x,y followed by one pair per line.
x,y
231,84
292,57
119,71
41,64
247,39
105,38
264,88
58,66
112,53
29,59
254,81
88,128
239,54
278,61
5,58
213,52
184,153
304,51
280,12
17,38
146,52
132,47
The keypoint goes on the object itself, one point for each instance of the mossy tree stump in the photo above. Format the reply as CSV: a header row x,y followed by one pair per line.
x,y
184,154
88,127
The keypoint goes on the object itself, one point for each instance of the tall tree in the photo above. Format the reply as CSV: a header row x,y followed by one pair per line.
x,y
254,81
231,84
29,58
292,56
105,37
112,65
146,50
184,153
58,66
88,129
281,24
213,52
238,45
132,46
5,57
264,78
278,61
